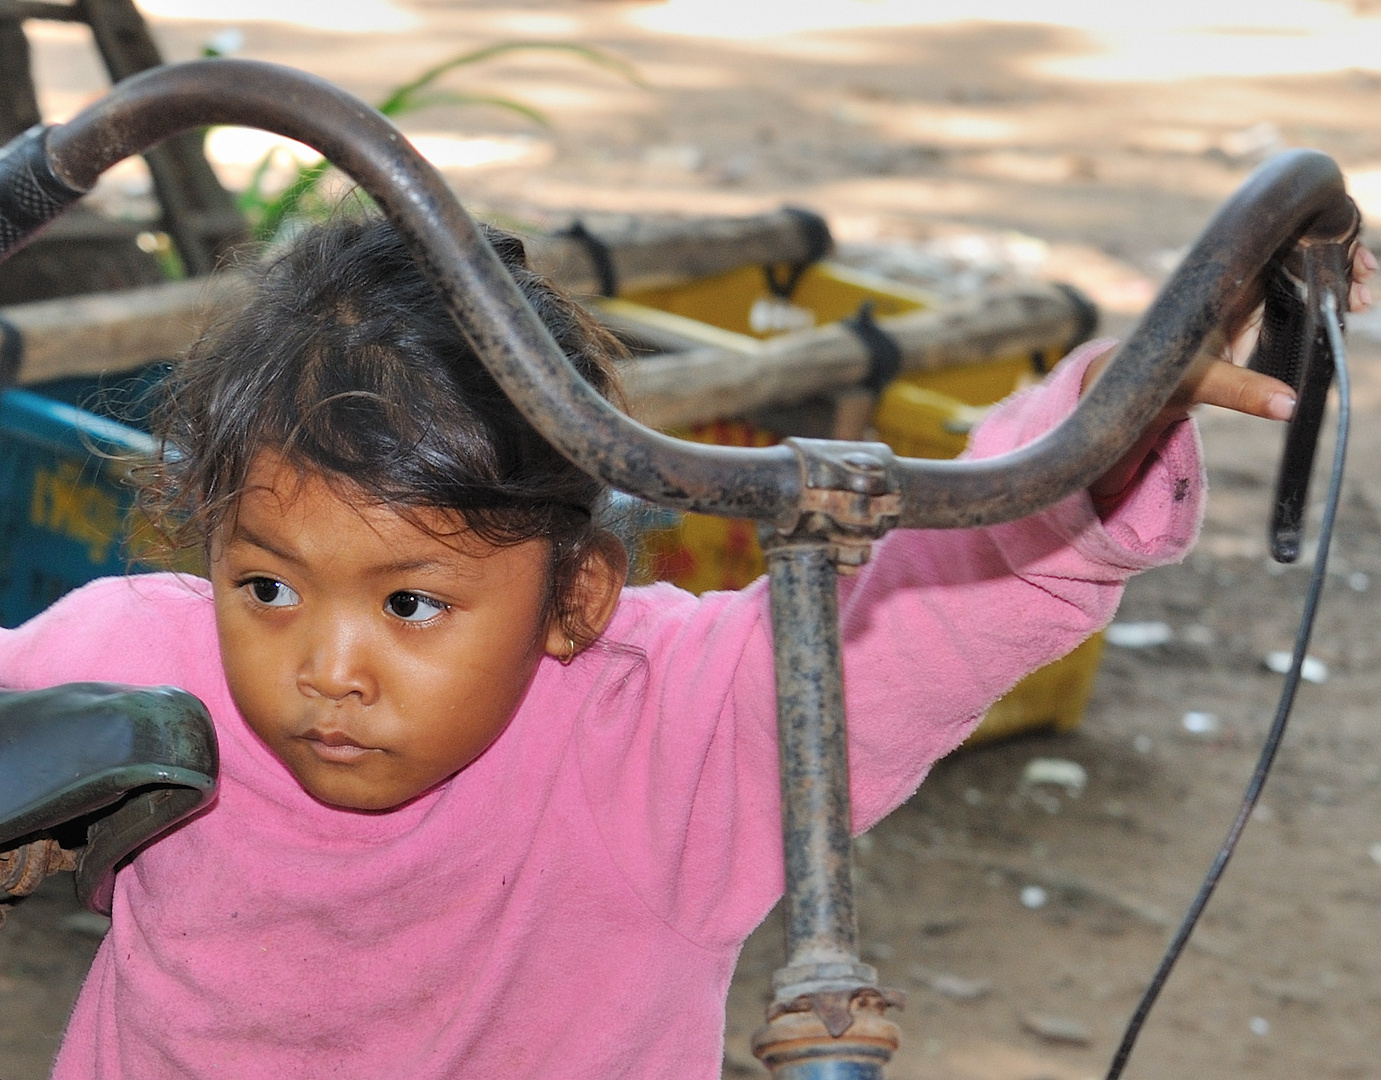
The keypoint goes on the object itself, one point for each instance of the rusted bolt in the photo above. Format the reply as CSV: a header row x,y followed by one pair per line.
x,y
22,868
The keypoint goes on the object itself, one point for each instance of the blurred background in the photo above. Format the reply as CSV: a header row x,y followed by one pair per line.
x,y
953,147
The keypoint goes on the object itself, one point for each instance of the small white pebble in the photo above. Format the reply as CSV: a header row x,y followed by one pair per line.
x,y
1263,813
973,796
1259,1025
1358,581
1142,744
1201,723
1138,635
1033,897
1069,775
1312,670
1376,854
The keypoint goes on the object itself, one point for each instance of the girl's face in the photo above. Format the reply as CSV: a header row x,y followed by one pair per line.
x,y
374,658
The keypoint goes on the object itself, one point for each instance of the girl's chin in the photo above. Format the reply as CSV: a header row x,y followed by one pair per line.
x,y
341,788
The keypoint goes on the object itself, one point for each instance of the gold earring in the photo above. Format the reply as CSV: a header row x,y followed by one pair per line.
x,y
568,653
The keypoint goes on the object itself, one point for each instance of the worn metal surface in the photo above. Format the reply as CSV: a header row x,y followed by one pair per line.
x,y
198,212
849,497
23,868
849,1038
1297,193
819,911
827,1009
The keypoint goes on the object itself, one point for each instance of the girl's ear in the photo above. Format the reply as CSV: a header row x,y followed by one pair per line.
x,y
591,604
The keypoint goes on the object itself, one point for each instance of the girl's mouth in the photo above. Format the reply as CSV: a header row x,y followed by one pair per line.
x,y
335,746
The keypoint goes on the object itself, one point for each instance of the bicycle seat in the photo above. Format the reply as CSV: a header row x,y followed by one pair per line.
x,y
100,769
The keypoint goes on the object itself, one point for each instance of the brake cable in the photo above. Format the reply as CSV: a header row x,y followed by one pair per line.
x,y
1283,706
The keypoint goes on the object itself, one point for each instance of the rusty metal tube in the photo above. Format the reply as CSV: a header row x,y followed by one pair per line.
x,y
820,923
826,1020
1294,193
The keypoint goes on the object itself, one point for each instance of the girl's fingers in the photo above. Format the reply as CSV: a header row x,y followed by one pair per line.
x,y
1363,266
1231,387
1358,297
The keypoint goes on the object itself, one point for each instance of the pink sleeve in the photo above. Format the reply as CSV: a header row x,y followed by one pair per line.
x,y
936,628
145,630
946,622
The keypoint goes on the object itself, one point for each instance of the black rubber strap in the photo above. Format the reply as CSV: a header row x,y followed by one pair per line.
x,y
1087,313
600,255
816,232
884,354
31,194
11,352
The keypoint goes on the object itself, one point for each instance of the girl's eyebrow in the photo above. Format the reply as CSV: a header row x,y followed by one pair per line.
x,y
425,564
404,566
249,536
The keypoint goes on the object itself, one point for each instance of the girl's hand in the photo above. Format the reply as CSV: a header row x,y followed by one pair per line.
x,y
1212,380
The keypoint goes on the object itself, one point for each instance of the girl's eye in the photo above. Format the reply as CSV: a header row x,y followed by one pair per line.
x,y
272,593
413,607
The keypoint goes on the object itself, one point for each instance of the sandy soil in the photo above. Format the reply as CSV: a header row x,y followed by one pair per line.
x,y
919,134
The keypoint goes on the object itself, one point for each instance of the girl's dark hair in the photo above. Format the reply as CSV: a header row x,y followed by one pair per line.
x,y
345,362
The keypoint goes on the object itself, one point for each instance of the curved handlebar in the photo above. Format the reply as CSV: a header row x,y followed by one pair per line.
x,y
1293,195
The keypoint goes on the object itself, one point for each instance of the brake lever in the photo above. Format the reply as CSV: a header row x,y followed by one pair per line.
x,y
1294,347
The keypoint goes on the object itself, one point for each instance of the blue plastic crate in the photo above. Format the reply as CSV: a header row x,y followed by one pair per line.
x,y
64,505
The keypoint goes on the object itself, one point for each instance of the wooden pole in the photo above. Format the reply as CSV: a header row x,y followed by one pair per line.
x,y
118,331
18,103
105,333
112,332
644,254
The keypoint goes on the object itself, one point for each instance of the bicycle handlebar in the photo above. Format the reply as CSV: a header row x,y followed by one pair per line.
x,y
862,488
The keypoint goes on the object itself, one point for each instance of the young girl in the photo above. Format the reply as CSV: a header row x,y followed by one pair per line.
x,y
483,811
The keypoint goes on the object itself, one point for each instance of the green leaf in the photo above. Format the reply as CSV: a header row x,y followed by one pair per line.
x,y
302,197
397,102
450,97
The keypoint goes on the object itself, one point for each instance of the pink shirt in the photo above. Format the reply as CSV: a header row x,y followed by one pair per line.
x,y
571,905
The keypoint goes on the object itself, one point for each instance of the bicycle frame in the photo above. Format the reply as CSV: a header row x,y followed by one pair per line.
x,y
824,502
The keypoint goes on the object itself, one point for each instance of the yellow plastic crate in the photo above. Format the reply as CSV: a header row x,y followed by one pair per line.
x,y
827,291
919,415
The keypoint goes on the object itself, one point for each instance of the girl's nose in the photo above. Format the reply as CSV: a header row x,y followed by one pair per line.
x,y
337,663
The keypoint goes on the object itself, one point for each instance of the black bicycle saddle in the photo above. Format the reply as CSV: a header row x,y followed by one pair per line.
x,y
98,769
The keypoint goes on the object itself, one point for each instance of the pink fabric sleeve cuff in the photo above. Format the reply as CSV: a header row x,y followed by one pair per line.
x,y
1158,519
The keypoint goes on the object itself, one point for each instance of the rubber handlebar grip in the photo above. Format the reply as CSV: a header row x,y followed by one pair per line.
x,y
31,194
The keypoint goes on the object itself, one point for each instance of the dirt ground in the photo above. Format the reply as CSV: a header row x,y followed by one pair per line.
x,y
944,140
